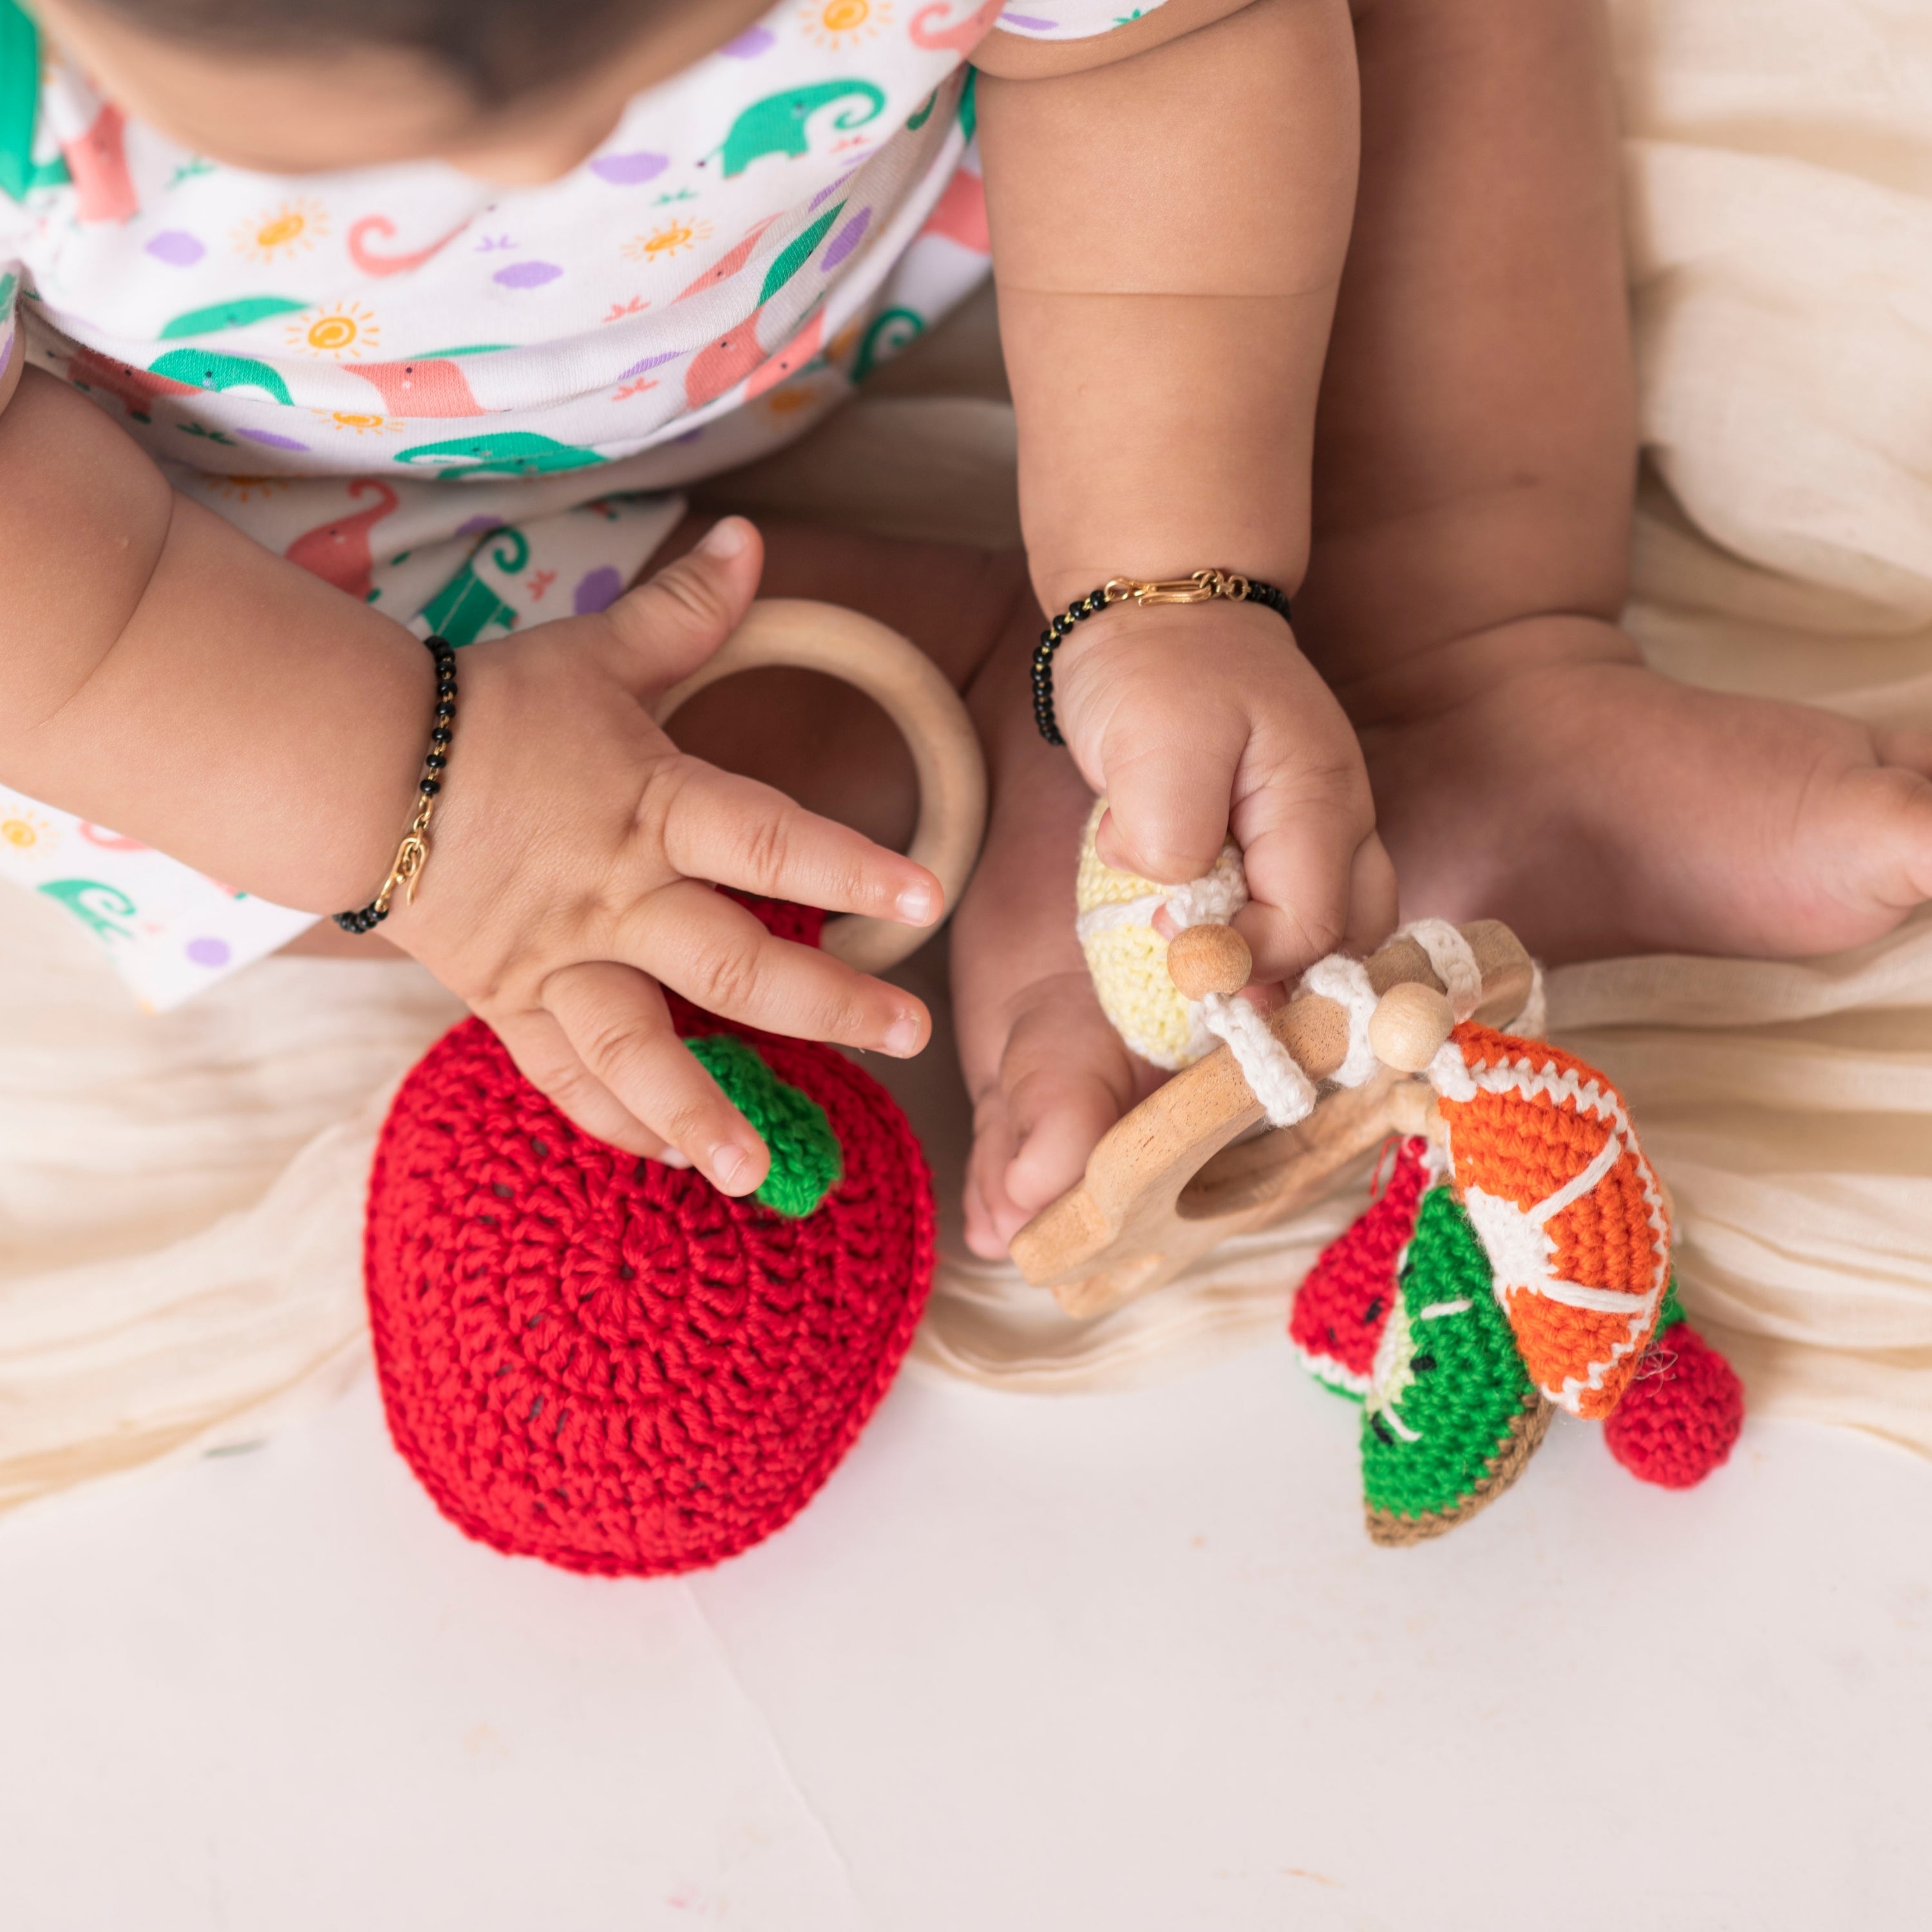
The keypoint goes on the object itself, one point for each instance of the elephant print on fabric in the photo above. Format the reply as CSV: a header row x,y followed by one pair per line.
x,y
208,369
465,605
238,313
97,164
777,124
510,452
338,552
134,389
431,386
371,263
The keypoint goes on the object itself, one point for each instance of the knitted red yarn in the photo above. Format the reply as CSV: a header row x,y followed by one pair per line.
x,y
603,1362
1343,1305
785,921
1680,1413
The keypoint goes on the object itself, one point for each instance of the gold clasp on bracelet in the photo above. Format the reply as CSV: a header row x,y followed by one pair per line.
x,y
411,857
1203,587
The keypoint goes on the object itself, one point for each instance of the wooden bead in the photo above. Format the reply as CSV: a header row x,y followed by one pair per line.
x,y
1408,1026
1205,959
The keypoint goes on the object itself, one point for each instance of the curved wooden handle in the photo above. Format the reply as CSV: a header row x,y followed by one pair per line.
x,y
1169,1181
912,692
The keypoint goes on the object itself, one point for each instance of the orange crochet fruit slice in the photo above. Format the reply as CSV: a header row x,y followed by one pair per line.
x,y
1542,1148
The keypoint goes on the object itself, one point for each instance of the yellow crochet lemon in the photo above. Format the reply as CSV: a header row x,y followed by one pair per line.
x,y
1128,958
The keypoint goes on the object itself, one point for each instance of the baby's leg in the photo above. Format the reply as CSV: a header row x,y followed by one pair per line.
x,y
1473,472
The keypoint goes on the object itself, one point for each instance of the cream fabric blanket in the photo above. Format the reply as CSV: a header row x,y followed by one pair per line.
x,y
180,1197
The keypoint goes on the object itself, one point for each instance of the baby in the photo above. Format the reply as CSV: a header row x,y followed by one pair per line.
x,y
476,284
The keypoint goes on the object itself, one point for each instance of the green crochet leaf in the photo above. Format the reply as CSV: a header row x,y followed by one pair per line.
x,y
1670,1313
807,1162
1451,1414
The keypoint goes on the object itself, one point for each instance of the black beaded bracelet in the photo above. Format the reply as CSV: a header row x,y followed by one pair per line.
x,y
1203,587
413,852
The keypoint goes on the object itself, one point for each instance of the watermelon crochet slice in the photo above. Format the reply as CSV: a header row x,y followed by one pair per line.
x,y
1343,1303
1451,1414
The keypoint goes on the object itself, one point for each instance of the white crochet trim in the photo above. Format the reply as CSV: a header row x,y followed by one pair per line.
x,y
1214,898
1449,1075
1346,981
1110,917
1454,964
1286,1093
1326,1369
1520,1074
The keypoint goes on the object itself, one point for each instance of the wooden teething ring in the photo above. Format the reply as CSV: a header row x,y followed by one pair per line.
x,y
913,691
1166,1183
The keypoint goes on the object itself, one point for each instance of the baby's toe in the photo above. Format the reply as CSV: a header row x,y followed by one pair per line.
x,y
1058,1116
1064,1078
1885,831
985,1202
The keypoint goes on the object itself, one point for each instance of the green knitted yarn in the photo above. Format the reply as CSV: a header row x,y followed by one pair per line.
x,y
1451,1412
806,1162
1671,1313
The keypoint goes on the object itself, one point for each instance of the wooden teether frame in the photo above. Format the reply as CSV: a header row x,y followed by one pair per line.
x,y
1165,1186
913,691
1173,1179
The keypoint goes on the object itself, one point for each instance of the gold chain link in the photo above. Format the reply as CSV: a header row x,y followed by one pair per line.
x,y
1202,587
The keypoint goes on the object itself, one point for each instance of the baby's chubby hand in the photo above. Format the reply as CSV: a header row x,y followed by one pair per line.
x,y
1196,720
573,854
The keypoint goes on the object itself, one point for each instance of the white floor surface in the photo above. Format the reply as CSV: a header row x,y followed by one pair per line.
x,y
1123,1663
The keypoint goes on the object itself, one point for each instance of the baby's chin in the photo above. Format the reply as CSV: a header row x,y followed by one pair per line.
x,y
334,103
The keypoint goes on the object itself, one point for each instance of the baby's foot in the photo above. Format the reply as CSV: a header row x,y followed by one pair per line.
x,y
1601,808
1048,1074
1061,1079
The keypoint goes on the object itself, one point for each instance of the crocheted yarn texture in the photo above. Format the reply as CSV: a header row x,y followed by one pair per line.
x,y
1343,1303
1402,1312
1451,1415
1683,1411
1548,1162
603,1362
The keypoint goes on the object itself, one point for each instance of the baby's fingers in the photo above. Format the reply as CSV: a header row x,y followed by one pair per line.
x,y
548,1060
1167,815
1319,883
616,1023
671,623
733,830
720,957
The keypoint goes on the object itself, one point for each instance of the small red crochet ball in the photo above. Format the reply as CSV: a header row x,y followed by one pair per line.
x,y
603,1362
1680,1414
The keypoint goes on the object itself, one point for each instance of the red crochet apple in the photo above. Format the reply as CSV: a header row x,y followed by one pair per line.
x,y
603,1362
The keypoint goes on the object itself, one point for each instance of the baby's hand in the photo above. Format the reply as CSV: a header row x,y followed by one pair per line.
x,y
1196,719
571,855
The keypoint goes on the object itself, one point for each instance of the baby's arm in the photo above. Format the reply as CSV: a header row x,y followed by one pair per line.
x,y
1168,230
162,674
